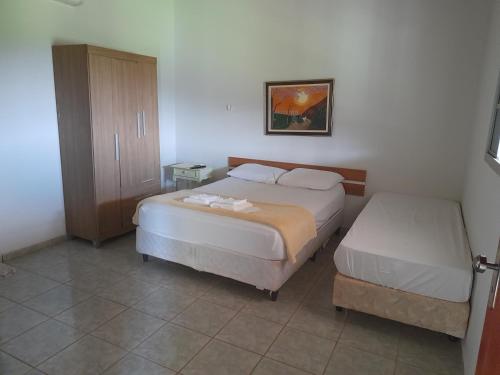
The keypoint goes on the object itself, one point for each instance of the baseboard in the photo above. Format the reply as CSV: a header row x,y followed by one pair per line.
x,y
32,248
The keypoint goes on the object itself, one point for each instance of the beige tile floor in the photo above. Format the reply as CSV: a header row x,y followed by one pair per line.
x,y
72,309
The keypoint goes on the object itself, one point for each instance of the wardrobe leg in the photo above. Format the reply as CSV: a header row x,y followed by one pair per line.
x,y
339,308
145,257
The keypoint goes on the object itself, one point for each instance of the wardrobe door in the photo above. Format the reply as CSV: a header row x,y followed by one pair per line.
x,y
150,150
105,146
128,119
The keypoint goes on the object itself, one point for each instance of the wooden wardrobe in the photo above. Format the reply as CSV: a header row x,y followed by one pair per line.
x,y
107,111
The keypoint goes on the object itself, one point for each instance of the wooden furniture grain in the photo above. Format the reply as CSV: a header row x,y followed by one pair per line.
x,y
354,183
107,113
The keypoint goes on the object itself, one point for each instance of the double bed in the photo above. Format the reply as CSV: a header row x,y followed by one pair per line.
x,y
407,258
243,250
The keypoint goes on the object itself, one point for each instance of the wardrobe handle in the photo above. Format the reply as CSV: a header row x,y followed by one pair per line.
x,y
138,124
143,123
117,147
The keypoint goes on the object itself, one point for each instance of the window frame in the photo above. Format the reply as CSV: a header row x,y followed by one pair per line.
x,y
493,162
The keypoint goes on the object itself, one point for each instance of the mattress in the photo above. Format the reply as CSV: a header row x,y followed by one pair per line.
x,y
409,243
237,235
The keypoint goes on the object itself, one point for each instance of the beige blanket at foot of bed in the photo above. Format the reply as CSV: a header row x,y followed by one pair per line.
x,y
295,224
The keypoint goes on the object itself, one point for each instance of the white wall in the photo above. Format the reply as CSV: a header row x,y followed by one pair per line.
x,y
405,70
481,198
31,204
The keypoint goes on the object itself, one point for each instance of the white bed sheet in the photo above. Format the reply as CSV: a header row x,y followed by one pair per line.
x,y
237,235
409,243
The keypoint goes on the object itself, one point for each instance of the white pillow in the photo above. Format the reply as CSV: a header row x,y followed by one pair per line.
x,y
257,173
310,179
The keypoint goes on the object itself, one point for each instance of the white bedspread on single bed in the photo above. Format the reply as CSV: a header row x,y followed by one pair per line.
x,y
233,234
409,243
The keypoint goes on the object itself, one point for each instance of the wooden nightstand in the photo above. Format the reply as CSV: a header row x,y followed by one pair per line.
x,y
185,171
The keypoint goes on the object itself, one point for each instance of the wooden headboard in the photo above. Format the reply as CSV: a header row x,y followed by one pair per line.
x,y
354,183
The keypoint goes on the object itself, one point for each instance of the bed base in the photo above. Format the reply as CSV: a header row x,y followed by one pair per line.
x,y
264,274
273,295
434,314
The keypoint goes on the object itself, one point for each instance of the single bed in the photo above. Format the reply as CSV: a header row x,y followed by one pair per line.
x,y
242,250
407,258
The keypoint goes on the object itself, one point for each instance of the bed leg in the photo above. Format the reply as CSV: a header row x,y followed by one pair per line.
x,y
313,257
274,295
339,308
145,257
453,338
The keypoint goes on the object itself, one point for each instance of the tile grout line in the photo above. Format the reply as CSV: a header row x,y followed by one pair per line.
x,y
170,321
302,303
285,325
131,351
212,338
29,329
48,319
94,294
209,341
85,334
90,334
336,342
368,351
60,312
262,356
18,359
54,317
397,352
37,295
60,351
338,337
315,283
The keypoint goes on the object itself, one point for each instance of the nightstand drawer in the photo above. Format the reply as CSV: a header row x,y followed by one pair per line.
x,y
187,173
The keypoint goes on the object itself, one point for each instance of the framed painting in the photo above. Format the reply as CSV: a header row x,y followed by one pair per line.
x,y
299,107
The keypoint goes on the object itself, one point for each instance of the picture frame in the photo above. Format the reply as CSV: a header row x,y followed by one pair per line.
x,y
299,107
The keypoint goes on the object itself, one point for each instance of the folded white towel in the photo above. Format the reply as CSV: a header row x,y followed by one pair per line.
x,y
232,207
202,199
195,201
216,201
233,202
206,197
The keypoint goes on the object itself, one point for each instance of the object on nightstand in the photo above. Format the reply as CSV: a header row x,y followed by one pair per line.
x,y
191,172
